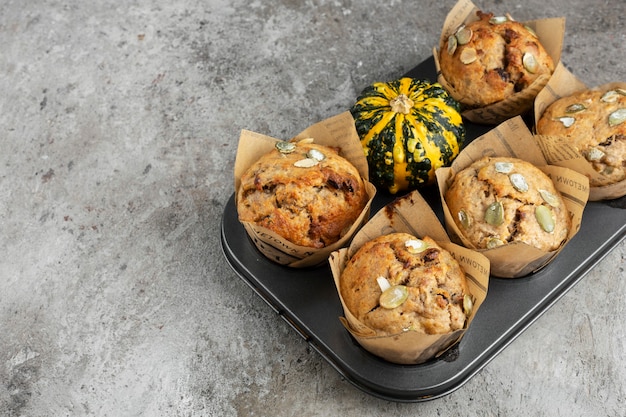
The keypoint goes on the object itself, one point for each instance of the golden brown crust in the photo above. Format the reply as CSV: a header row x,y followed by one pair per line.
x,y
589,131
308,206
477,187
498,71
436,285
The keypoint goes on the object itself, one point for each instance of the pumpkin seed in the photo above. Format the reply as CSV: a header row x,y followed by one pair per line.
x,y
285,147
383,283
452,44
503,167
530,62
594,154
531,30
575,108
415,245
519,182
610,96
468,304
494,215
566,120
468,55
464,218
617,117
464,35
549,198
494,242
394,296
306,163
496,20
545,218
315,154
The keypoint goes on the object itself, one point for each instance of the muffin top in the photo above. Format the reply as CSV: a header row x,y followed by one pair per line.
x,y
594,122
500,200
304,192
492,58
397,282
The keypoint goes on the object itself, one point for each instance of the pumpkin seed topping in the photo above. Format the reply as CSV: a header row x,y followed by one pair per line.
x,y
531,30
306,163
468,304
612,96
464,35
545,218
464,218
549,198
566,120
617,117
315,154
285,147
468,56
452,44
383,283
394,296
575,108
503,167
594,154
494,215
530,62
415,245
494,242
497,20
519,182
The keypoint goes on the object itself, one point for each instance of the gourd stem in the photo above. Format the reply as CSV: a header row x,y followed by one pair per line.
x,y
401,104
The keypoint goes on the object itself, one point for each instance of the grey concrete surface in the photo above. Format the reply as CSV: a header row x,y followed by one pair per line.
x,y
119,124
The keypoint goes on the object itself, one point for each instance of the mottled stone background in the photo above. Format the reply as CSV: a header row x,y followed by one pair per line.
x,y
119,124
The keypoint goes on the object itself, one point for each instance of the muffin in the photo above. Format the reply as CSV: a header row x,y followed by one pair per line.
x,y
500,200
305,192
594,122
397,282
490,59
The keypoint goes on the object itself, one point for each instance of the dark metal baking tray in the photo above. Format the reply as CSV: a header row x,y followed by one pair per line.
x,y
308,301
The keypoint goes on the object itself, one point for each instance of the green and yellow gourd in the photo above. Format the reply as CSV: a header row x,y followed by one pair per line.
x,y
408,129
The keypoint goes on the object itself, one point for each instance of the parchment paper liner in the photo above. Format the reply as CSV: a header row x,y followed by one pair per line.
x,y
550,32
513,139
337,131
410,214
557,150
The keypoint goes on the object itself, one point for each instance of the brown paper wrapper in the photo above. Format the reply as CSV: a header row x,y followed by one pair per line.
x,y
550,32
557,150
513,139
410,347
339,132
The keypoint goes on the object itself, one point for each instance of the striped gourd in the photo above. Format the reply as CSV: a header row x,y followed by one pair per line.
x,y
408,129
